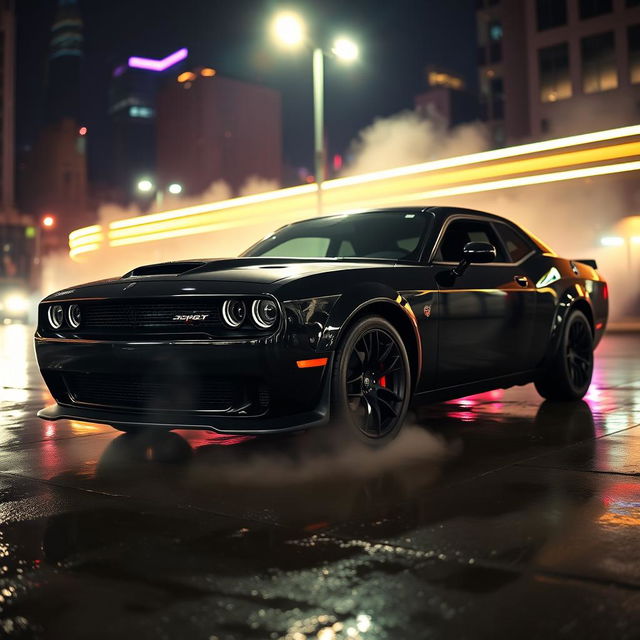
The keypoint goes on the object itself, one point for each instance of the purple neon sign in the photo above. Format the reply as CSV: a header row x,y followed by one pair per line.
x,y
158,65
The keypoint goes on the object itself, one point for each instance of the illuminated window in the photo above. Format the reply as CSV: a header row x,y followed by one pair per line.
x,y
599,72
634,53
555,81
551,13
140,112
495,30
592,8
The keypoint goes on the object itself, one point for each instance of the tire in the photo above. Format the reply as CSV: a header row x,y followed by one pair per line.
x,y
371,382
568,375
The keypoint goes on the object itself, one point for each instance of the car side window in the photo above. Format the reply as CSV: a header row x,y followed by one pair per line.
x,y
516,245
461,231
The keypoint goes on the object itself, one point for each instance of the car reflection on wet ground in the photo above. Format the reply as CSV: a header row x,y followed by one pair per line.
x,y
491,516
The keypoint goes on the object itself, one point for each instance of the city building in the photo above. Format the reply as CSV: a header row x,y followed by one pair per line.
x,y
132,107
7,100
555,67
53,182
64,63
447,99
213,128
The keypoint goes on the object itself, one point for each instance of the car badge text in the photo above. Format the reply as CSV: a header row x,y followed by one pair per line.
x,y
191,317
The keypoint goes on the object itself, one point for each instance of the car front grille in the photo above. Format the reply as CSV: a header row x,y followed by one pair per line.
x,y
166,393
100,315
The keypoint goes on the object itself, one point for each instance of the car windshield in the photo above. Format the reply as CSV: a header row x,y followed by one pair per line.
x,y
390,235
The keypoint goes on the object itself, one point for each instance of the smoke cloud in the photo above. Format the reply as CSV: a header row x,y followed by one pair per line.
x,y
408,138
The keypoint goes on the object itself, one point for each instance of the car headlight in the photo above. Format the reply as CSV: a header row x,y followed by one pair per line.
x,y
74,316
234,312
16,303
264,313
55,314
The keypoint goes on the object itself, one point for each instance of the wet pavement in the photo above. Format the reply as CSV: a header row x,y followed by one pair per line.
x,y
492,516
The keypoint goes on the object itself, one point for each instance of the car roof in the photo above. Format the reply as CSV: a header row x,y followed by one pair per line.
x,y
441,213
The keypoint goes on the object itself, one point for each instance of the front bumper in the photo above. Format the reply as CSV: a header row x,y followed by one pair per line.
x,y
298,398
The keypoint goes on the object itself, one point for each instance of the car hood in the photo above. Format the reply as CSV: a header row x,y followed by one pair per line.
x,y
254,274
271,270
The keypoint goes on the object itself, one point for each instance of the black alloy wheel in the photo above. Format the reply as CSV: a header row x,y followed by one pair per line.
x,y
580,354
568,375
372,381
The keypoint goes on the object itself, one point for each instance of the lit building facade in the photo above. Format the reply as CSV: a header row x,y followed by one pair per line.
x,y
557,67
212,128
447,99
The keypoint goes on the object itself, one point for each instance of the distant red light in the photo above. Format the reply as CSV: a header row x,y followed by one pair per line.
x,y
605,291
48,222
82,131
337,162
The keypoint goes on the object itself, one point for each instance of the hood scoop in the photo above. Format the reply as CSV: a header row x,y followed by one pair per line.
x,y
164,269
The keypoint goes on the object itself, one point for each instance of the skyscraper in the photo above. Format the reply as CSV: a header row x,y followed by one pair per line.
x,y
65,59
55,178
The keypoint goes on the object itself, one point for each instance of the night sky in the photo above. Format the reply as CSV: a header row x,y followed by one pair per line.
x,y
397,41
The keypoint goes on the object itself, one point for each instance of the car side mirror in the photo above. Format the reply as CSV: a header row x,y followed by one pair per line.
x,y
474,253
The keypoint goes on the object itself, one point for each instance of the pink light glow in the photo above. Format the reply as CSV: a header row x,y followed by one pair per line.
x,y
158,65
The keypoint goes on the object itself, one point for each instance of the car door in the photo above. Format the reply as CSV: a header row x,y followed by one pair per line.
x,y
486,314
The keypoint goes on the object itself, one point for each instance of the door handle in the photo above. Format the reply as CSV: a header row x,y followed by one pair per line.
x,y
521,280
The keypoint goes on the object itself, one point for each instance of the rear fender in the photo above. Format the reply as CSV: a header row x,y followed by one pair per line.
x,y
575,297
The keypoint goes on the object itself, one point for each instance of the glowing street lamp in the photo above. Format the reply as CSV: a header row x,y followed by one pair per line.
x,y
620,241
175,189
145,186
289,29
345,50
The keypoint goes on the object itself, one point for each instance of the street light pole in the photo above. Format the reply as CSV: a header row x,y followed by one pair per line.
x,y
318,123
290,30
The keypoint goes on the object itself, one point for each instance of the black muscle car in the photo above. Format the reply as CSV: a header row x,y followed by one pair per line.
x,y
348,318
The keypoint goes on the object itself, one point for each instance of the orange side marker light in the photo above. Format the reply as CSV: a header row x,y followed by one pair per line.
x,y
316,362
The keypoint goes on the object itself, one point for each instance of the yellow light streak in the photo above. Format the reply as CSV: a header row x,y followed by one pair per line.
x,y
83,249
435,179
486,156
214,206
544,178
79,233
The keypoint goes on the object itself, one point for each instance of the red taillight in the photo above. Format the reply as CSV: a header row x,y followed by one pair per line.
x,y
316,362
605,291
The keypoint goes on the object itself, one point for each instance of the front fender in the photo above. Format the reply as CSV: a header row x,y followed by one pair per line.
x,y
382,300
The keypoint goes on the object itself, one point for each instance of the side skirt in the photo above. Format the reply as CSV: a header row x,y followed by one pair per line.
x,y
459,391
